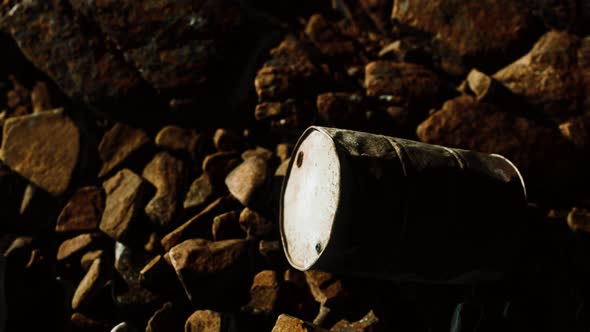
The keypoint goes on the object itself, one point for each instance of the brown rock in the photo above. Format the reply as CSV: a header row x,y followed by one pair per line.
x,y
84,323
89,257
40,99
369,323
272,252
208,269
325,288
247,181
537,150
264,294
199,225
468,33
269,110
227,141
258,152
204,321
218,165
200,192
554,77
118,144
94,280
167,174
125,196
342,110
56,142
225,226
82,212
405,84
284,151
327,38
286,323
178,139
165,319
75,245
579,219
577,131
254,224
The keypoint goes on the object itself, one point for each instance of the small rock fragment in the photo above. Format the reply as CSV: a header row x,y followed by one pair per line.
x,y
264,294
167,173
118,144
579,219
200,192
325,289
226,226
89,257
247,180
55,141
286,323
40,99
227,141
178,139
91,284
204,321
254,224
284,151
125,196
82,212
75,245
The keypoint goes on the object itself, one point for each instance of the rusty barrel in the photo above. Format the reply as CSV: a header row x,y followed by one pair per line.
x,y
391,208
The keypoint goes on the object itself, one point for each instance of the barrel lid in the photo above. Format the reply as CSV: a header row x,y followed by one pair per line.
x,y
310,198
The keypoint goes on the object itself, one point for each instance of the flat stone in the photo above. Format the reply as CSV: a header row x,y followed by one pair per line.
x,y
179,139
167,173
75,245
286,323
264,294
89,257
200,192
199,225
94,280
82,212
204,321
53,137
247,181
255,225
118,144
125,196
467,33
209,269
225,226
554,76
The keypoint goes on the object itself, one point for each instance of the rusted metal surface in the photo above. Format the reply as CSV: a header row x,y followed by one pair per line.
x,y
410,211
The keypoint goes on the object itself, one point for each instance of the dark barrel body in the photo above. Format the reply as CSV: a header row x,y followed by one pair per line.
x,y
417,212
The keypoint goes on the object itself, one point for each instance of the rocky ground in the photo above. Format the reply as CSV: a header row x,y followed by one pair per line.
x,y
144,145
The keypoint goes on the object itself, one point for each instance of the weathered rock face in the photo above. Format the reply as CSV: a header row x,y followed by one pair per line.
x,y
554,77
467,32
167,173
53,40
125,197
82,212
119,143
55,141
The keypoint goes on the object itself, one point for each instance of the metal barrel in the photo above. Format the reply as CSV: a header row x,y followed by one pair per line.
x,y
390,208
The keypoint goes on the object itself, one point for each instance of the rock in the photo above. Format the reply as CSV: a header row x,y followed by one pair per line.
x,y
270,110
291,72
284,151
254,224
579,219
286,116
463,36
94,281
286,323
225,226
53,137
325,288
408,85
342,110
327,38
258,152
67,51
227,141
89,257
554,76
129,293
82,212
165,319
247,181
368,323
489,90
577,131
125,193
181,140
118,144
76,245
28,198
167,174
200,224
40,99
208,269
204,321
218,165
85,323
200,192
264,294
538,150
